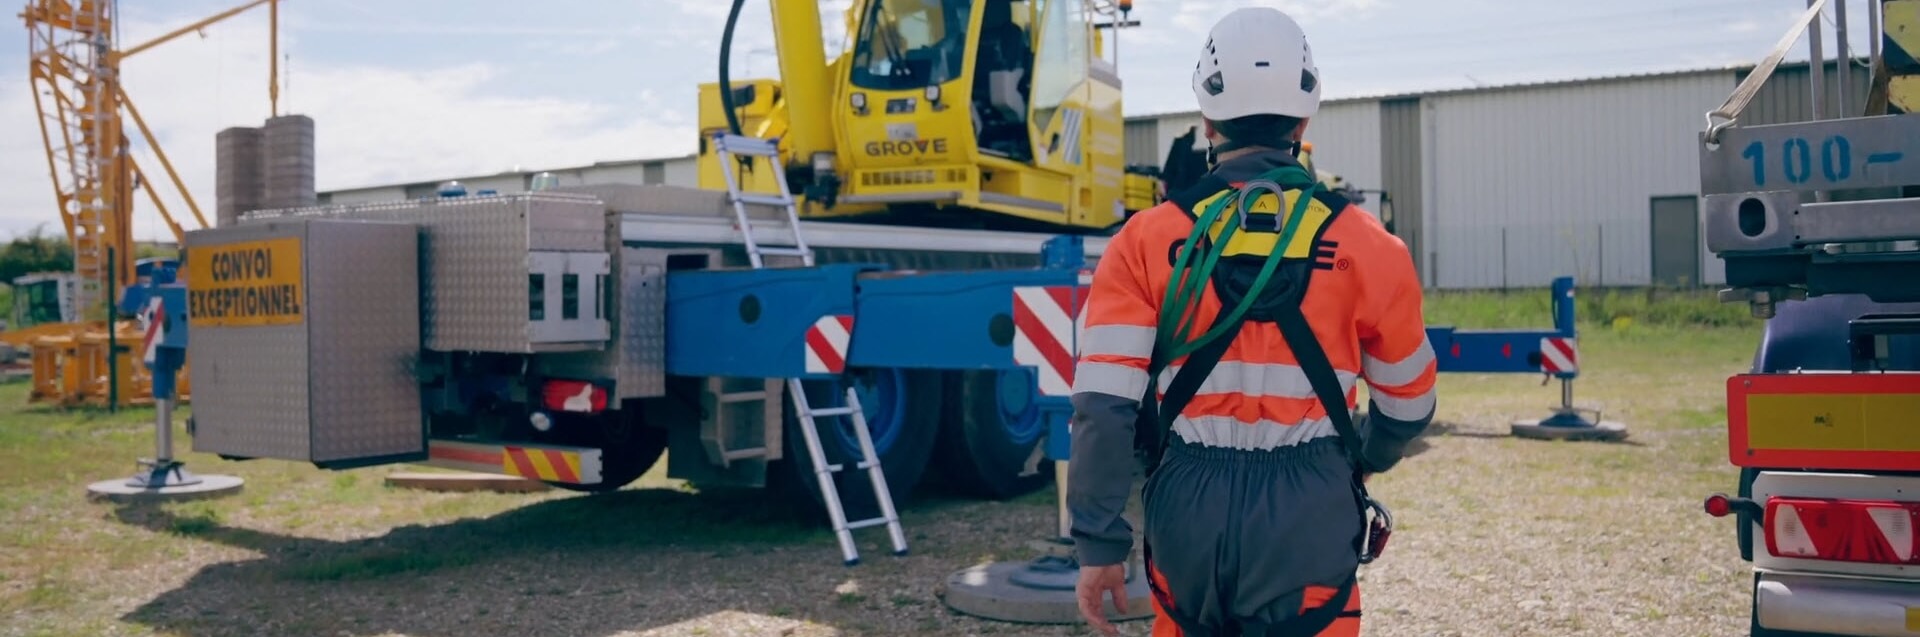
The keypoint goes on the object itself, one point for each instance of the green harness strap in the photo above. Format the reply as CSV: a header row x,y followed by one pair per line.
x,y
1180,306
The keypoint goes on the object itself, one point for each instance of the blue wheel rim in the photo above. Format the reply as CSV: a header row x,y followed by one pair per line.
x,y
1019,415
883,399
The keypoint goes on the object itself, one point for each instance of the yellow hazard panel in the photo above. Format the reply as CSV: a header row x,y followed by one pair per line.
x,y
1903,93
1833,422
552,465
248,283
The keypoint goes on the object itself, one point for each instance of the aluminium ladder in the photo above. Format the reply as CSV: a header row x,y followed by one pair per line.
x,y
728,148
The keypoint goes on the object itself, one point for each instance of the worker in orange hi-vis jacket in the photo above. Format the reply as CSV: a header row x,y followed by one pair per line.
x,y
1256,511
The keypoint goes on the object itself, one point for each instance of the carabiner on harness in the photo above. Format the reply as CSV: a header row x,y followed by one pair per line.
x,y
1379,528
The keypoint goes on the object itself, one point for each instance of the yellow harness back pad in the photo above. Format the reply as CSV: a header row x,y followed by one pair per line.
x,y
1260,243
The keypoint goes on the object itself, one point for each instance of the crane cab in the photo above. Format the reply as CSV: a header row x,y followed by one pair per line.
x,y
983,113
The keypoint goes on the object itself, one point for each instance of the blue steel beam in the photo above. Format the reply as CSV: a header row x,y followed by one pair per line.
x,y
1506,351
753,323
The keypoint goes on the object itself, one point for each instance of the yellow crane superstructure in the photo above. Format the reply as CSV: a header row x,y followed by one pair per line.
x,y
972,113
74,67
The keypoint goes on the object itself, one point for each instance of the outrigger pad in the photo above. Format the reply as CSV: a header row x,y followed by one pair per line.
x,y
1537,429
1038,591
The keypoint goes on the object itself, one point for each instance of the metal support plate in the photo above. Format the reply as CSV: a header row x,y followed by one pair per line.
x,y
1779,221
1840,154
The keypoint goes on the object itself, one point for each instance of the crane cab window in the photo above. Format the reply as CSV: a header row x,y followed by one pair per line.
x,y
1003,78
911,44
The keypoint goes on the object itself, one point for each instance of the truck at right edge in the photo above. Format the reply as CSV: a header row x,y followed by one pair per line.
x,y
1817,223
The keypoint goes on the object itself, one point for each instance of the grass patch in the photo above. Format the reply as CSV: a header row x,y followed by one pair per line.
x,y
1592,307
326,552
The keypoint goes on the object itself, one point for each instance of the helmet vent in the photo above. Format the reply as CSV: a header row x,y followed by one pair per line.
x,y
1262,64
1216,84
1307,81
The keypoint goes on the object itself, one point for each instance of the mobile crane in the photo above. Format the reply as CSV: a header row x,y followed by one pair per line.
x,y
997,114
576,335
1816,221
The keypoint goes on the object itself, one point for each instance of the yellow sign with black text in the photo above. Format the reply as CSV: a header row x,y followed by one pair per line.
x,y
248,283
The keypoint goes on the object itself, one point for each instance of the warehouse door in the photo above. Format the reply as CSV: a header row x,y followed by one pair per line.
x,y
1676,241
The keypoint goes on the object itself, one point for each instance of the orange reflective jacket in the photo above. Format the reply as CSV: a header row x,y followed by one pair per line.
x,y
1363,302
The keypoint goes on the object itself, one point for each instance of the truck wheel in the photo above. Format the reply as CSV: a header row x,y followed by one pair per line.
x,y
900,407
991,431
628,447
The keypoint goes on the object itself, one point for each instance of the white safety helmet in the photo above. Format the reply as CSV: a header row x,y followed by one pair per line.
x,y
1256,62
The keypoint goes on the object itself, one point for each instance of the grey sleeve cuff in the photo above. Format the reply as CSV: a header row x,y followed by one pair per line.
x,y
1100,477
1387,438
1092,552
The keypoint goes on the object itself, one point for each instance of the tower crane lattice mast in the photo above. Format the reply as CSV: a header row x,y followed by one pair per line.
x,y
74,66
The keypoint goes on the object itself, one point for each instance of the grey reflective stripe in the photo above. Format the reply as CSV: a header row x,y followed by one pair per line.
x,y
1117,340
1404,409
1230,432
1398,373
1110,378
1258,380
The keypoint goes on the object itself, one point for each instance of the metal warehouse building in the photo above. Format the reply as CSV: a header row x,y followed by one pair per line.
x,y
1494,187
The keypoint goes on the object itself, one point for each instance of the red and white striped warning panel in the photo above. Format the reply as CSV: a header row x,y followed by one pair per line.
x,y
827,344
1046,326
156,329
1559,355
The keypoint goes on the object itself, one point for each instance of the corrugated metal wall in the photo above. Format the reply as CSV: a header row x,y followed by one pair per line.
x,y
1533,183
1345,136
1142,140
1346,141
1172,126
1400,163
1788,96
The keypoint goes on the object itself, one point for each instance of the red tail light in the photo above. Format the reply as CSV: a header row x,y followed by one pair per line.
x,y
1866,531
575,396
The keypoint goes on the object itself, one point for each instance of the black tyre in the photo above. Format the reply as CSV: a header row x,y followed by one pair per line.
x,y
991,435
628,447
901,409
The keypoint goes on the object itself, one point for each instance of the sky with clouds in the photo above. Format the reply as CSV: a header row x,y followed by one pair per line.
x,y
429,89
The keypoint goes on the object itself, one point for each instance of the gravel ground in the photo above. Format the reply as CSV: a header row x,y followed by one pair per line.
x,y
1497,536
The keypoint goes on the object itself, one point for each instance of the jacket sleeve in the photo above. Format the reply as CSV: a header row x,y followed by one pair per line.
x,y
1396,358
1109,379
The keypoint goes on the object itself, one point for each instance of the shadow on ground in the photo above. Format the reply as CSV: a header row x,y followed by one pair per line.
x,y
589,565
1449,429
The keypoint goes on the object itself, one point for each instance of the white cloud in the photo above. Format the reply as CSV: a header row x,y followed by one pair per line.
x,y
373,124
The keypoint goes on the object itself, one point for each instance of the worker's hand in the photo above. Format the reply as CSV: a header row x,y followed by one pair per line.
x,y
1095,583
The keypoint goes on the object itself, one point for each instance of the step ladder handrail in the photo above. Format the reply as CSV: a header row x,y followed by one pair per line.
x,y
728,147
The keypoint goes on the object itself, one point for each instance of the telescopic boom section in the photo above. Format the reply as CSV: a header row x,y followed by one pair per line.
x,y
803,76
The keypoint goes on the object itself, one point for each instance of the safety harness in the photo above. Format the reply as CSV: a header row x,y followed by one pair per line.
x,y
1259,265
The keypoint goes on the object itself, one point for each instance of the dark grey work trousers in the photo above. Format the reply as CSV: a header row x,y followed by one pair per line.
x,y
1239,535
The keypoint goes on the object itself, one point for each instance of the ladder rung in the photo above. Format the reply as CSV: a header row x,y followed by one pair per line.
x,y
743,454
861,524
741,397
737,145
764,200
834,468
833,411
784,252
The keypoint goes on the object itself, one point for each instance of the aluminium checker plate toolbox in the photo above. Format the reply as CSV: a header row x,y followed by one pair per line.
x,y
496,268
305,333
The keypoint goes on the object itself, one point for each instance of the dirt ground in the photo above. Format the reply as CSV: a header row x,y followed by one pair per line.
x,y
1496,535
